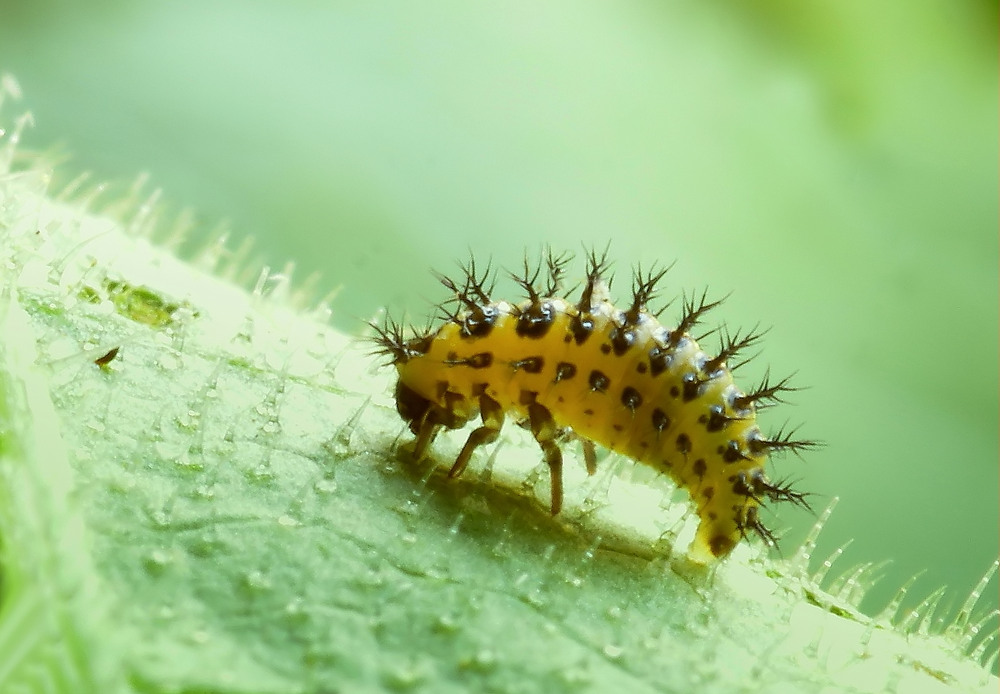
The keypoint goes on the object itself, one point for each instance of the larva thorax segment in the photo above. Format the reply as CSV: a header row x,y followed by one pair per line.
x,y
615,377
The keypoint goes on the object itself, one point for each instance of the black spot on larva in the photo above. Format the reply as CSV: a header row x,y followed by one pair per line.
x,y
661,422
531,365
526,397
641,367
481,360
598,381
631,398
731,452
589,412
535,321
752,522
659,360
721,545
582,327
683,443
411,405
674,391
742,486
692,387
617,427
564,371
478,322
605,348
699,468
454,401
622,340
716,420
419,345
708,492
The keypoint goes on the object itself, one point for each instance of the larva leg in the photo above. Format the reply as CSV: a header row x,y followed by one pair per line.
x,y
492,414
589,455
430,424
544,429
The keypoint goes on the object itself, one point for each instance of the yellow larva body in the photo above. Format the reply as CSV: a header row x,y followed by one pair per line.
x,y
612,377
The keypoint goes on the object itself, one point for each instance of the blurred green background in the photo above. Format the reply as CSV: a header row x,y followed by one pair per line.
x,y
833,165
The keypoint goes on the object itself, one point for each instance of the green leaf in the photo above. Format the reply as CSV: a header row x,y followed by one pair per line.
x,y
221,505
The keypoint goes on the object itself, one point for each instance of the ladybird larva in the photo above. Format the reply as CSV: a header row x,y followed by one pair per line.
x,y
611,376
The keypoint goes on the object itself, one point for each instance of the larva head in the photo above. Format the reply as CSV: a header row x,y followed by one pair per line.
x,y
411,405
421,391
390,342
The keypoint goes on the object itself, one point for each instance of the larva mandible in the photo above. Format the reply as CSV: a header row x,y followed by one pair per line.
x,y
610,376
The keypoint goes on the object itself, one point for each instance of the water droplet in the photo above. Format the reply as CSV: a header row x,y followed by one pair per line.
x,y
157,561
287,521
205,491
169,362
186,462
447,623
535,598
271,427
160,517
257,580
485,659
327,485
189,419
613,652
261,473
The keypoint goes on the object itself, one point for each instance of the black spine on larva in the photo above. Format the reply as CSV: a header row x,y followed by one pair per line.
x,y
753,522
643,291
556,265
390,342
527,280
781,441
755,485
480,314
730,346
623,336
535,320
694,311
765,394
596,269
